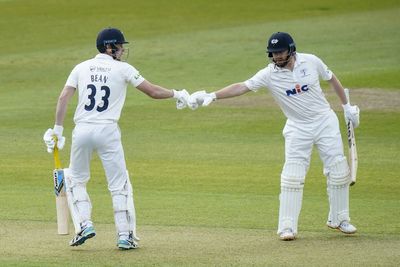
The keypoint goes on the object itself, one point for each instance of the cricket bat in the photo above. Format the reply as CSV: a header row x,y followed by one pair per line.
x,y
61,197
351,138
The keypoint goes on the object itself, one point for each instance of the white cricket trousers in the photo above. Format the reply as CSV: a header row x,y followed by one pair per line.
x,y
324,133
105,139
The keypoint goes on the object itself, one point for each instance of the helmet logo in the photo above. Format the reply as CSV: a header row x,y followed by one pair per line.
x,y
274,41
110,41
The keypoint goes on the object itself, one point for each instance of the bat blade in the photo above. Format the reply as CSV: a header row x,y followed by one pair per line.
x,y
351,138
61,196
61,202
58,179
353,158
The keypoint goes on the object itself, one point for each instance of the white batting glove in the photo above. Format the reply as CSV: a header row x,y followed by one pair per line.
x,y
50,137
201,98
182,98
352,113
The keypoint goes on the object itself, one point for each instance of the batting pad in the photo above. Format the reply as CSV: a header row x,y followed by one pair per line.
x,y
79,203
338,204
289,209
338,177
124,209
339,172
292,183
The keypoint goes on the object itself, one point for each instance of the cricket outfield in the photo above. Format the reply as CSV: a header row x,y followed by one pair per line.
x,y
206,182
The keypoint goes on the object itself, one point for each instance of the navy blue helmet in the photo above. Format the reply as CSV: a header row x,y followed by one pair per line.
x,y
279,42
111,36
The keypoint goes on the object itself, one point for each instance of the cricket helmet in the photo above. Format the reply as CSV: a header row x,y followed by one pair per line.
x,y
280,41
111,36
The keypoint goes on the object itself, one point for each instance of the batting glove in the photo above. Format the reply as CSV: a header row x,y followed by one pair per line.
x,y
53,137
182,98
201,98
352,113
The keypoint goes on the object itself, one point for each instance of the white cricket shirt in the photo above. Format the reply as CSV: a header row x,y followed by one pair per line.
x,y
101,83
298,93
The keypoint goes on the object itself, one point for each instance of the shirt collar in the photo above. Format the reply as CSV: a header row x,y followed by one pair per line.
x,y
104,56
298,61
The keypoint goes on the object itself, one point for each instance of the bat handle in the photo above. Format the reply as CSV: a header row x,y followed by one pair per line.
x,y
57,162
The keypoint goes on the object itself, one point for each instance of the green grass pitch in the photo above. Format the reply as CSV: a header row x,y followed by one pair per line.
x,y
206,182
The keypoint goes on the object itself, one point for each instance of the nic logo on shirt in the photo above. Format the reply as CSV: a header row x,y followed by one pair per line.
x,y
298,89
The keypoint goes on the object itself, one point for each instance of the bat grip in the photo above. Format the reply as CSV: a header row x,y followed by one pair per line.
x,y
57,162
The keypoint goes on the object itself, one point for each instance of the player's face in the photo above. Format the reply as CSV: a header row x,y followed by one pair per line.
x,y
280,58
120,51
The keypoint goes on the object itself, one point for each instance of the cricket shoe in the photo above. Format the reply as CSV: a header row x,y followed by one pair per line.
x,y
125,243
287,235
82,236
344,227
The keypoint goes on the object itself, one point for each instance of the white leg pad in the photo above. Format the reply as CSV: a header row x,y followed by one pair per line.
x,y
292,184
78,202
124,209
338,177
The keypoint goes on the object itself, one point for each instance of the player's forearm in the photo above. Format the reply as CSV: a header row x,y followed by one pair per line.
x,y
62,104
60,114
161,92
232,90
155,91
337,86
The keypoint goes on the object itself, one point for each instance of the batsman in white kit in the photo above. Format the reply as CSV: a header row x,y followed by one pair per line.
x,y
101,84
294,82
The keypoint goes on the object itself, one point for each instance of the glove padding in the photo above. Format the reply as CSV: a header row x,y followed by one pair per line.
x,y
182,98
352,113
201,98
53,137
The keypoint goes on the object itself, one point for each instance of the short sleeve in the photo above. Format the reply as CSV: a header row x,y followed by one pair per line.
x,y
324,72
73,78
133,76
259,80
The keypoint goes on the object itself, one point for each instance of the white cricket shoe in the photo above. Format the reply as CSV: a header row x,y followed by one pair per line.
x,y
128,242
287,235
86,233
344,227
